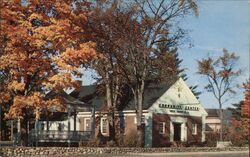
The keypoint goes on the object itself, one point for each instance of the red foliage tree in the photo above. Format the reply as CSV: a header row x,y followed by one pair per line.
x,y
245,109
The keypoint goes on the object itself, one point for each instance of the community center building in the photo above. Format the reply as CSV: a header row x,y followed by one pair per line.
x,y
171,113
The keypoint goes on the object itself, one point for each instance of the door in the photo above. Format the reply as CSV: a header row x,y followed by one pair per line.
x,y
177,131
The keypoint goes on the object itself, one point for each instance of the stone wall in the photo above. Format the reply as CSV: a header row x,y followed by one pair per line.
x,y
59,151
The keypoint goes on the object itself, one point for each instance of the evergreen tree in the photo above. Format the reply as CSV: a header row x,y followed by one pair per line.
x,y
236,110
164,47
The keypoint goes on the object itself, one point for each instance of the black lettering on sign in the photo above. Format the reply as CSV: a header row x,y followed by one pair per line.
x,y
190,108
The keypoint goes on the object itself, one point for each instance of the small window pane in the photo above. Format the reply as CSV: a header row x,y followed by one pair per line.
x,y
194,129
87,124
42,126
161,127
104,124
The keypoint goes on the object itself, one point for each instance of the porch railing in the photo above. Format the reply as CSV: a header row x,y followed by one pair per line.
x,y
59,136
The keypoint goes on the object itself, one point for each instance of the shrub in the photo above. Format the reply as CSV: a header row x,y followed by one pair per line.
x,y
211,139
111,144
130,140
93,142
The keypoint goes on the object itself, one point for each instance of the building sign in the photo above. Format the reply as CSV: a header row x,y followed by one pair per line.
x,y
180,107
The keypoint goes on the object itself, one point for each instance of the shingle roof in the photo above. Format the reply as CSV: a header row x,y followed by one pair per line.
x,y
90,95
151,94
212,112
208,128
227,114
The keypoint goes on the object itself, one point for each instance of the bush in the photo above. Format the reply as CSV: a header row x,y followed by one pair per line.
x,y
211,139
128,140
110,144
93,142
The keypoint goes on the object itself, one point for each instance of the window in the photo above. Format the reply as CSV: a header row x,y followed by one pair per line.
x,y
142,119
42,126
60,127
161,127
194,129
104,125
87,124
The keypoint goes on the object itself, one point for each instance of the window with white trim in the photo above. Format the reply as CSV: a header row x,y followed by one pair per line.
x,y
87,124
143,120
104,125
194,129
161,127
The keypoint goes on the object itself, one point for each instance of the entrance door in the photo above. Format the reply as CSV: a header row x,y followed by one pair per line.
x,y
177,131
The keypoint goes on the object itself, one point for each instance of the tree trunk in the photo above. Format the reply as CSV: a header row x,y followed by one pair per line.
x,y
140,128
221,122
110,108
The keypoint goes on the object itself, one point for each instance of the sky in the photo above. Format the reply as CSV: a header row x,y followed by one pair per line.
x,y
221,24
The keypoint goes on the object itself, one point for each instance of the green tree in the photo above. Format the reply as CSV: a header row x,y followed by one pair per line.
x,y
236,110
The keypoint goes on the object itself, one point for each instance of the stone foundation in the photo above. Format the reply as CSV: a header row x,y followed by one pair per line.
x,y
63,151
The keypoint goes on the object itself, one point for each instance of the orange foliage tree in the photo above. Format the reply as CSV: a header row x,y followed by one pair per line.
x,y
43,43
245,109
238,131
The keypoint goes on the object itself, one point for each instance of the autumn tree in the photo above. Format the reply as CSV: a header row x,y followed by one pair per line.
x,y
128,38
43,43
245,109
107,31
221,74
140,61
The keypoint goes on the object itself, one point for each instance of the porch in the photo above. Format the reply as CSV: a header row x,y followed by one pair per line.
x,y
58,136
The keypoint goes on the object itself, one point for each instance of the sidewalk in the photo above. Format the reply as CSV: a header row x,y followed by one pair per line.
x,y
196,154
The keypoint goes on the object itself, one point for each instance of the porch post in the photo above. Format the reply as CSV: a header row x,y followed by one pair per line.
x,y
28,132
18,125
18,138
74,119
69,126
36,131
93,122
11,134
148,130
47,121
203,123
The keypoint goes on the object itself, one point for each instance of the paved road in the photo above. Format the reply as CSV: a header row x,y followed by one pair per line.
x,y
183,154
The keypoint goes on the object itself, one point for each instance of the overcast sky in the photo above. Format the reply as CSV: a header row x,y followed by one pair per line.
x,y
221,24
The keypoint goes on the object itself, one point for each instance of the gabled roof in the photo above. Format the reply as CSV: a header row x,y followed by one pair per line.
x,y
152,93
180,96
90,95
